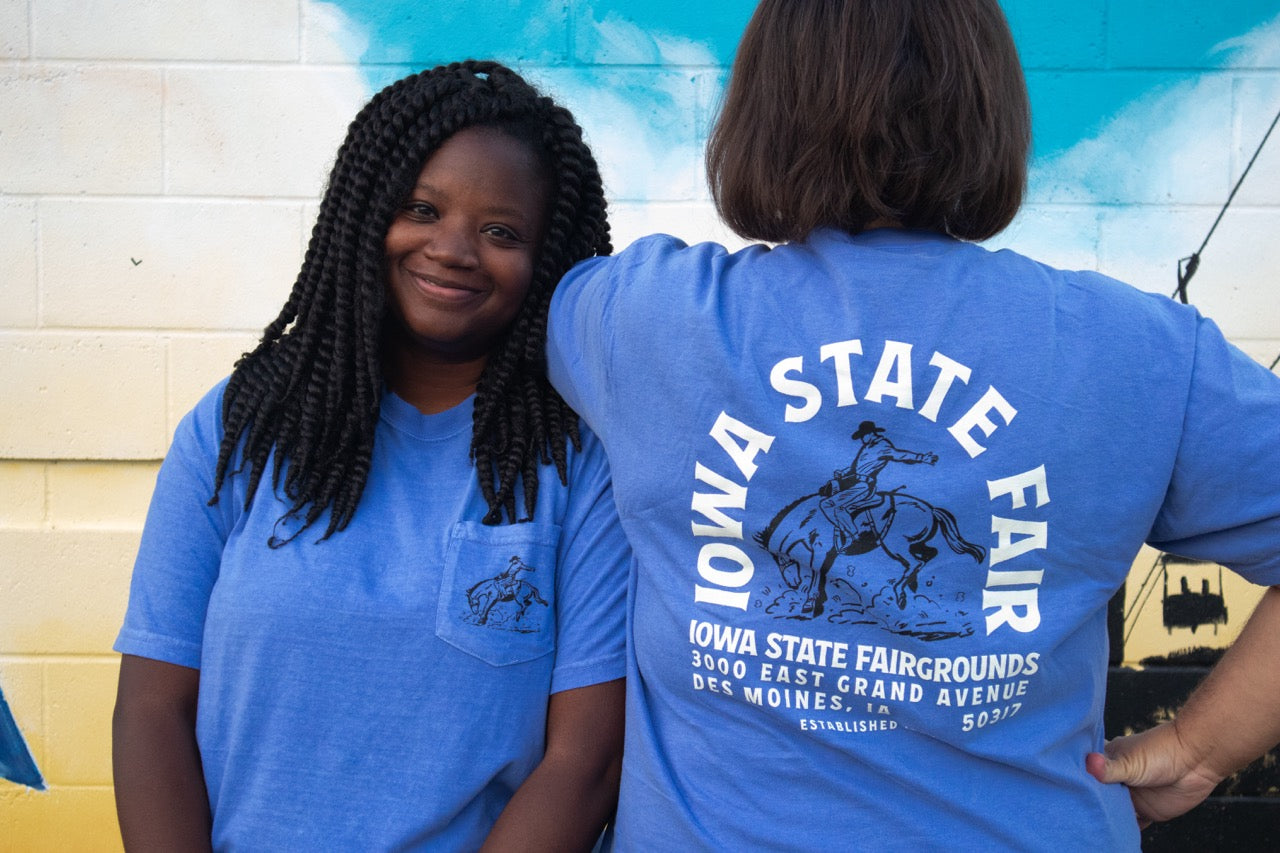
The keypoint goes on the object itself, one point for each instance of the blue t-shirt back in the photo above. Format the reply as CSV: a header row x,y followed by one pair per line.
x,y
880,490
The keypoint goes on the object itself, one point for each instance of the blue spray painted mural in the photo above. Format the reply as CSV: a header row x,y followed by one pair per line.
x,y
1090,61
16,763
1139,106
1143,47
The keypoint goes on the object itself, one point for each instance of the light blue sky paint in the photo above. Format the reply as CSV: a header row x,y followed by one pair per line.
x,y
1086,60
1144,113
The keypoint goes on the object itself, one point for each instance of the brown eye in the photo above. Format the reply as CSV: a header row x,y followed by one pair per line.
x,y
502,232
419,211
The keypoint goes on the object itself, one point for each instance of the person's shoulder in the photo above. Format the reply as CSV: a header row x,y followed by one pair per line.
x,y
658,249
201,427
655,244
1130,306
209,408
212,399
650,263
1105,300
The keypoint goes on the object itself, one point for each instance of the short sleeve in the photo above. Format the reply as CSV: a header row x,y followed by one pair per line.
x,y
598,303
1223,501
181,546
578,350
592,578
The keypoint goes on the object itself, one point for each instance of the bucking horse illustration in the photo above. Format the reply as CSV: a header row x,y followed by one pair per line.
x,y
805,542
507,586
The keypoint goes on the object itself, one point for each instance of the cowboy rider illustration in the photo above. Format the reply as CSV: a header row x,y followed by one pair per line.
x,y
853,489
509,580
506,586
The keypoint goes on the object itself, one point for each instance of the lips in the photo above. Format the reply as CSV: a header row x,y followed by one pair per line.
x,y
442,289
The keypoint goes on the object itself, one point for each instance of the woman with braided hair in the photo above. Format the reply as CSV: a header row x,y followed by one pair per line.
x,y
380,553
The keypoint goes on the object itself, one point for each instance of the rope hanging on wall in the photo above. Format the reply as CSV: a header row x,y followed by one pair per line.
x,y
1187,266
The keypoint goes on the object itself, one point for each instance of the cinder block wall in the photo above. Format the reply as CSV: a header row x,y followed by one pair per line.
x,y
159,167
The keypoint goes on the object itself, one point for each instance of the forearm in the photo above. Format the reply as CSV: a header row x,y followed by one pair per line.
x,y
1234,715
558,808
161,799
1229,720
571,794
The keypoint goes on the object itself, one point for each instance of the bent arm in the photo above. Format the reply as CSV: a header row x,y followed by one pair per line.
x,y
570,796
161,799
1229,720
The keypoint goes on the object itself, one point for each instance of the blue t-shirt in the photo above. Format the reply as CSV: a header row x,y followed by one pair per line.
x,y
880,490
385,689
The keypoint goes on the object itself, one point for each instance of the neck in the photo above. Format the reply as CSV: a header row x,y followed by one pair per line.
x,y
435,386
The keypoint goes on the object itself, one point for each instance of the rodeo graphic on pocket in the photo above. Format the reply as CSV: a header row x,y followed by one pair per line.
x,y
507,601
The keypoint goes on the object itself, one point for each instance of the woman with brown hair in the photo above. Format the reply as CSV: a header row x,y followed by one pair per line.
x,y
928,672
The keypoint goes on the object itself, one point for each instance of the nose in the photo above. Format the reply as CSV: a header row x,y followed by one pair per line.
x,y
451,245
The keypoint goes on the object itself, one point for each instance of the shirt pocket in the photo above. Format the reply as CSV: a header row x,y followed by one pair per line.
x,y
498,593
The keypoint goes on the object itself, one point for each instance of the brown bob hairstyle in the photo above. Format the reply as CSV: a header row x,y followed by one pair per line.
x,y
845,113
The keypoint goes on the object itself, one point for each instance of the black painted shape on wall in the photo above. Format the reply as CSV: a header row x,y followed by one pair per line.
x,y
1189,608
1115,628
1235,825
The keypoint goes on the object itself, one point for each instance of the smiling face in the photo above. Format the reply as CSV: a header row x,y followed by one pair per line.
x,y
460,251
